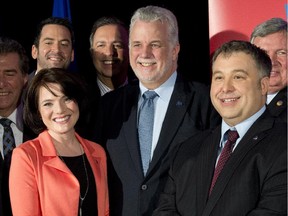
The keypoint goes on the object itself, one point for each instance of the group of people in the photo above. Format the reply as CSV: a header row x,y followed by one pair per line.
x,y
79,148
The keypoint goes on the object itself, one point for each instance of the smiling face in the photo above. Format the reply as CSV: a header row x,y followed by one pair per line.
x,y
110,51
12,81
58,112
237,91
55,48
153,57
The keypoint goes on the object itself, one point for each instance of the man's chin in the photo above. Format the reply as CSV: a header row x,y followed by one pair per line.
x,y
274,89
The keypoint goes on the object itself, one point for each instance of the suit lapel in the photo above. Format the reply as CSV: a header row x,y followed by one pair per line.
x,y
176,111
205,167
130,131
50,151
279,103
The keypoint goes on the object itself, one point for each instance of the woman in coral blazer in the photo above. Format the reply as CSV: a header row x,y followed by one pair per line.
x,y
58,173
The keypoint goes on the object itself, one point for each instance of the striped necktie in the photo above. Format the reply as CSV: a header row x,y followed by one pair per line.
x,y
224,156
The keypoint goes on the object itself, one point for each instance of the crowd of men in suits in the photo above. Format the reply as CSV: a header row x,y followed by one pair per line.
x,y
190,117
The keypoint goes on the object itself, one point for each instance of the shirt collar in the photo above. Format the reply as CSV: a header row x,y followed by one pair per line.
x,y
165,90
243,126
12,116
104,88
270,97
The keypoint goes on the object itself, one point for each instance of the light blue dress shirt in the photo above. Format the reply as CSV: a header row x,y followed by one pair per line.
x,y
160,104
241,128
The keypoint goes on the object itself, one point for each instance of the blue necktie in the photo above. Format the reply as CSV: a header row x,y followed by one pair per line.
x,y
8,137
224,156
145,128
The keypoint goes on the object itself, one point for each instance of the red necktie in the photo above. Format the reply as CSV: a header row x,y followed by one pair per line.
x,y
225,154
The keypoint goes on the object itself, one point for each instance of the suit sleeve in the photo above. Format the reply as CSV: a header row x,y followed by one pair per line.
x,y
273,198
167,201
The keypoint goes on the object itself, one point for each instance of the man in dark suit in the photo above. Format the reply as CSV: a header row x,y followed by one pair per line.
x,y
110,55
53,44
272,36
181,109
14,67
253,181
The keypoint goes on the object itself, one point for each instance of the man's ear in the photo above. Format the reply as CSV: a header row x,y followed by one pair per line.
x,y
34,52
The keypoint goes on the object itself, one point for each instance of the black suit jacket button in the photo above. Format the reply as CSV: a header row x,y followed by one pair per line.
x,y
144,187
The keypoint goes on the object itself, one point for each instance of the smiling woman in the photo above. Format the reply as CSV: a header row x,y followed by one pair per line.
x,y
54,102
50,90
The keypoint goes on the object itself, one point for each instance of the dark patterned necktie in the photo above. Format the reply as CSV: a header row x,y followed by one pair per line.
x,y
145,128
225,154
8,145
8,137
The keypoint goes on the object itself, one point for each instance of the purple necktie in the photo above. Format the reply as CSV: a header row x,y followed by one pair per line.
x,y
225,154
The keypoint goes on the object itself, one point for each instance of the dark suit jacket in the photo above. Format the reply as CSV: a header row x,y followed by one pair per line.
x,y
94,95
189,110
253,181
31,75
5,207
278,106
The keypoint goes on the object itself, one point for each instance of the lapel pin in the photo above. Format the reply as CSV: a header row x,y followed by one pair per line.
x,y
255,138
179,103
279,103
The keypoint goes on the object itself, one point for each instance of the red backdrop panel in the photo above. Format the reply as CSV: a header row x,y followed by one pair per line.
x,y
230,19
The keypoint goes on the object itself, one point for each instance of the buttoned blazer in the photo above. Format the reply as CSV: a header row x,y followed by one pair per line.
x,y
41,184
189,110
252,182
278,105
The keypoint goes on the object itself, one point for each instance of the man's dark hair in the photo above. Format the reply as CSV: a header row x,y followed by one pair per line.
x,y
8,45
56,21
103,21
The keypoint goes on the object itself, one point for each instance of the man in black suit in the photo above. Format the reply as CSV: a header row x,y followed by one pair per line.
x,y
53,44
272,36
110,55
253,181
14,67
181,109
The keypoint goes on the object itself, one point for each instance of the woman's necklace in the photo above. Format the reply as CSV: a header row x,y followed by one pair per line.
x,y
87,188
82,198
